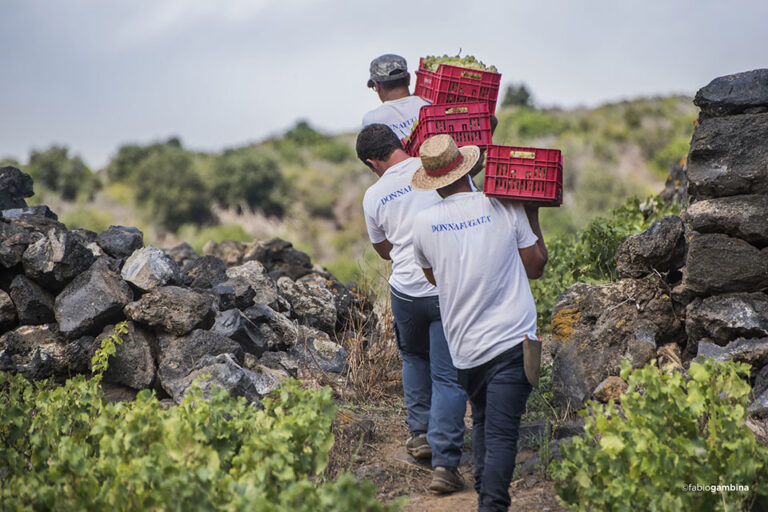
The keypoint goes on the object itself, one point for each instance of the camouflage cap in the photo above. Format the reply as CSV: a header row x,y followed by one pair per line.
x,y
386,68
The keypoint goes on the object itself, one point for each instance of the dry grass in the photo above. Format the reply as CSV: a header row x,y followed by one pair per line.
x,y
373,363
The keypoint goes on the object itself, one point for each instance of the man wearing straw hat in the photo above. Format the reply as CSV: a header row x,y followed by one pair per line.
x,y
480,253
434,400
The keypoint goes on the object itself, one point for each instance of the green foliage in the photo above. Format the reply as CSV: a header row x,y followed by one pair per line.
x,y
170,189
166,182
540,405
198,237
670,155
8,161
122,166
248,176
333,151
108,348
55,170
517,95
588,256
528,123
304,135
85,217
669,434
66,448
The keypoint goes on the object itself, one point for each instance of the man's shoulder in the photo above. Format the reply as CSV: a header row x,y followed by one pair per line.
x,y
373,116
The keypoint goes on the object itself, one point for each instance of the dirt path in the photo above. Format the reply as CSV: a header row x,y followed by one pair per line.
x,y
382,459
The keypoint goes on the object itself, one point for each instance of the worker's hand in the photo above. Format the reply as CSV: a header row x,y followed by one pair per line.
x,y
531,208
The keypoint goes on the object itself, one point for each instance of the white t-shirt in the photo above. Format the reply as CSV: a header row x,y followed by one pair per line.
x,y
397,114
471,243
391,205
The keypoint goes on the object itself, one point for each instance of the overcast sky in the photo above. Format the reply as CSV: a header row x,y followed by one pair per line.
x,y
95,74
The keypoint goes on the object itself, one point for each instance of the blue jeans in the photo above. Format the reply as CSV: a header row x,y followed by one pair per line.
x,y
497,391
434,400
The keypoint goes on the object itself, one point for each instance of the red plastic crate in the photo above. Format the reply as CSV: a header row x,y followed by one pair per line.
x,y
454,84
525,174
467,123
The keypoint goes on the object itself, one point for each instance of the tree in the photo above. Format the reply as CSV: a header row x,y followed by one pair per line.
x,y
304,135
55,170
248,176
517,95
168,186
128,157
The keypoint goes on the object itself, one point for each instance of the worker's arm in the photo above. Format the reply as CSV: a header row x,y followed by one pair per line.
x,y
383,248
534,257
480,165
429,275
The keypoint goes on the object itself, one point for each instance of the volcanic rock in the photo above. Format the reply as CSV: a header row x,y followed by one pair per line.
x,y
744,217
149,268
661,247
717,263
734,94
596,327
173,309
120,241
14,187
91,301
33,304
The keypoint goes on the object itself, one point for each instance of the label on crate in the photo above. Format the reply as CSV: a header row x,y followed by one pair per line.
x,y
522,154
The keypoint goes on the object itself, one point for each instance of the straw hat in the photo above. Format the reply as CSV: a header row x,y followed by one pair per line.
x,y
442,162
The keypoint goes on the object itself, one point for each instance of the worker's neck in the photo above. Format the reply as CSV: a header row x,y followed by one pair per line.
x,y
394,94
462,185
395,158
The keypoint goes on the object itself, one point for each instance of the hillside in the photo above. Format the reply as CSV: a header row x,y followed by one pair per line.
x,y
307,187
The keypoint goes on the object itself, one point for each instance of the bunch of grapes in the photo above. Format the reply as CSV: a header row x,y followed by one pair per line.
x,y
468,61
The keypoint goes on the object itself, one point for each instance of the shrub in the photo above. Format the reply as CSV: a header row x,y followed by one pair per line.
x,y
671,154
197,237
333,151
170,189
668,435
517,95
85,217
66,448
55,170
304,135
248,176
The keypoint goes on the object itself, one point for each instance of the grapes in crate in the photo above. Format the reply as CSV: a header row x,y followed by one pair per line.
x,y
432,62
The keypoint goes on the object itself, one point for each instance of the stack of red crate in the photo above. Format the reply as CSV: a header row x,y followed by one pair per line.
x,y
467,123
463,100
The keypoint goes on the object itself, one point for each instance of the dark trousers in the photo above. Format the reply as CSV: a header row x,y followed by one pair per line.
x,y
497,391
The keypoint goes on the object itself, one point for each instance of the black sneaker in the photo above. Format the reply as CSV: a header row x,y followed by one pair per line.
x,y
446,480
418,447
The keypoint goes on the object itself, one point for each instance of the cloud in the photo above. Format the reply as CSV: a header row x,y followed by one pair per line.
x,y
151,20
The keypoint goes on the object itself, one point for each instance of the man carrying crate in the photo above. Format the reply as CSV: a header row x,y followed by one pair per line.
x,y
434,400
399,109
480,253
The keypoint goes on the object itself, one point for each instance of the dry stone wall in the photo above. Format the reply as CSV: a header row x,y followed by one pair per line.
x,y
248,315
693,286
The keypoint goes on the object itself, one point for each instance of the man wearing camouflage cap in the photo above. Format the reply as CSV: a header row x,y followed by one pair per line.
x,y
399,110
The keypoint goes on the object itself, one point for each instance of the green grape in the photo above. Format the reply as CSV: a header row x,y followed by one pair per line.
x,y
432,62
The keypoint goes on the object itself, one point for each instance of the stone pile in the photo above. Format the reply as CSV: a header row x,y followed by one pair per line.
x,y
694,285
248,315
